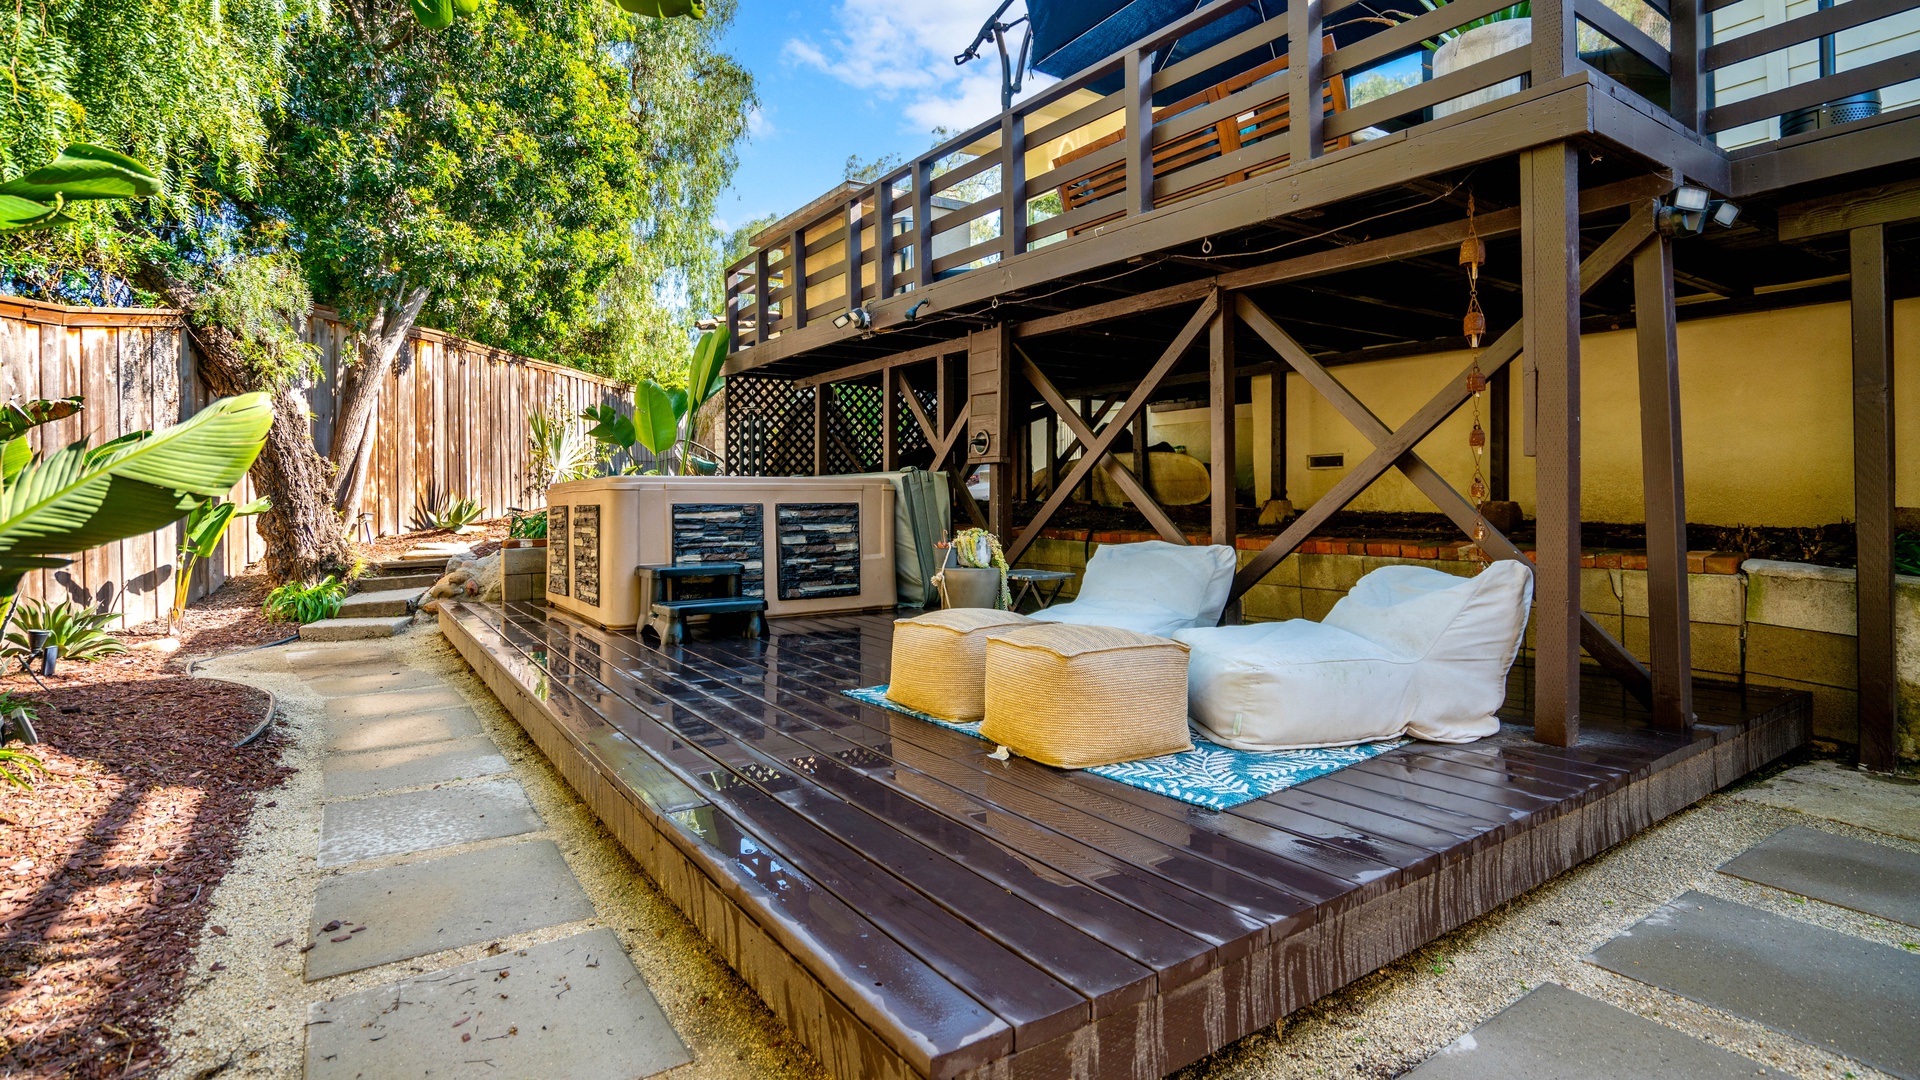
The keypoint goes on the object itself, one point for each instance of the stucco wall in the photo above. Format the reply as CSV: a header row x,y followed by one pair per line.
x,y
1766,416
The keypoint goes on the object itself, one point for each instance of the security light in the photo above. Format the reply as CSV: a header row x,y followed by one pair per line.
x,y
1725,214
1691,199
913,312
856,317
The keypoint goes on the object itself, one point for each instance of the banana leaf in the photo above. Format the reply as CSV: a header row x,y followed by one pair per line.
x,y
433,14
610,426
16,420
654,418
84,172
79,498
14,457
703,369
466,7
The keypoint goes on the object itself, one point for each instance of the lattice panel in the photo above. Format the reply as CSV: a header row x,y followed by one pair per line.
x,y
853,414
769,427
914,448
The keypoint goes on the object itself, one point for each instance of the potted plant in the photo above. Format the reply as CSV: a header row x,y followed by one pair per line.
x,y
1484,38
526,530
973,571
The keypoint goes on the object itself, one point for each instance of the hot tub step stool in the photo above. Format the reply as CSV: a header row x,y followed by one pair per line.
x,y
667,610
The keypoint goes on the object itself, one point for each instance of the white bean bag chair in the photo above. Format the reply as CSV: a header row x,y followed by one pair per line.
x,y
1410,651
1150,588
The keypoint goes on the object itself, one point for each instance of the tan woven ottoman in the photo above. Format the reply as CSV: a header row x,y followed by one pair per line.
x,y
940,659
1078,696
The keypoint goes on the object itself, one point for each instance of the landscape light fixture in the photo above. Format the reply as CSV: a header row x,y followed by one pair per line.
x,y
913,313
856,317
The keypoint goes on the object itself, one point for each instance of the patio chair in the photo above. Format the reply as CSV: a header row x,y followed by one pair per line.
x,y
1150,588
1409,651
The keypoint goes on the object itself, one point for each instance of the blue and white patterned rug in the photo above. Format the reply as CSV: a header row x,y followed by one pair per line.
x,y
1210,775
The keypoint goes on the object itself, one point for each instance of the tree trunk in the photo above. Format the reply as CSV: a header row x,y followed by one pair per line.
x,y
376,347
304,535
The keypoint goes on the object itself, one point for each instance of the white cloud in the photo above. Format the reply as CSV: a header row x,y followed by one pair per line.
x,y
901,51
758,124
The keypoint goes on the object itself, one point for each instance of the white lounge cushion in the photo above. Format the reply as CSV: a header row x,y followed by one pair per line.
x,y
1466,633
1409,650
1294,685
1150,588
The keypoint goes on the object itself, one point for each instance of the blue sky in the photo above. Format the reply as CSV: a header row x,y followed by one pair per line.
x,y
840,77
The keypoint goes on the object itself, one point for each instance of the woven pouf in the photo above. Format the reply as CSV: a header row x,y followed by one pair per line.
x,y
1078,696
940,659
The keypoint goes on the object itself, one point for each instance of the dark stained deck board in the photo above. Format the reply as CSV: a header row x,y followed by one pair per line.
x,y
1244,915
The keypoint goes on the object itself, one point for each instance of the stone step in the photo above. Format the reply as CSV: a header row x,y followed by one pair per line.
x,y
385,602
354,629
383,582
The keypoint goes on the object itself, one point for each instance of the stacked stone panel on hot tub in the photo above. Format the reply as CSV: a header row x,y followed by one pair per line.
x,y
819,546
723,532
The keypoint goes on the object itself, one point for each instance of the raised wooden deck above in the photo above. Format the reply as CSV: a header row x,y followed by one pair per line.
x,y
912,908
1202,161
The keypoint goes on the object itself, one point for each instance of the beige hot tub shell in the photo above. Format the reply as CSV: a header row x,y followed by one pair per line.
x,y
635,527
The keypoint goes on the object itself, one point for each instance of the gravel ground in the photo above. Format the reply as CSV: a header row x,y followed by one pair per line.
x,y
246,1019
249,1014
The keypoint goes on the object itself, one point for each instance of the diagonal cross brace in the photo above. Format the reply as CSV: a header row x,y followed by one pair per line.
x,y
1601,645
1097,446
1388,452
943,446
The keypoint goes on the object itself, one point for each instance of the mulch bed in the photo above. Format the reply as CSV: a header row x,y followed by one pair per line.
x,y
110,861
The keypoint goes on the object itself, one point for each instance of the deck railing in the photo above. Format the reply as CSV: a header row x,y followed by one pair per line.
x,y
1093,148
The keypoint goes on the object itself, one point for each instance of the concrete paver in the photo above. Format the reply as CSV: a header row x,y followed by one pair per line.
x,y
411,766
444,903
308,661
1830,989
572,1008
1556,1034
1839,870
354,629
420,699
347,683
388,601
401,729
1827,789
411,821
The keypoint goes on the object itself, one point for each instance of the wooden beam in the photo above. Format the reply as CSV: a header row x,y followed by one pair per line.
x,y
1365,253
1550,242
1500,435
1663,478
1220,369
1888,204
1873,492
1138,99
1886,140
1098,445
867,367
820,429
890,420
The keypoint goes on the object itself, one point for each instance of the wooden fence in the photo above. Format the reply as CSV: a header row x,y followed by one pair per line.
x,y
451,423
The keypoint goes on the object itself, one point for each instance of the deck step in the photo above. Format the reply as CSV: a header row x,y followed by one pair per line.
x,y
354,629
386,602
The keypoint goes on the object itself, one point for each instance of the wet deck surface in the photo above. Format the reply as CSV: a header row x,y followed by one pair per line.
x,y
912,906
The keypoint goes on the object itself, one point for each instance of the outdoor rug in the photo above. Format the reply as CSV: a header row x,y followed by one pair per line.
x,y
1210,775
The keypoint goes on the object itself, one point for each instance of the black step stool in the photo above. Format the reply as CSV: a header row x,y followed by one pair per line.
x,y
667,609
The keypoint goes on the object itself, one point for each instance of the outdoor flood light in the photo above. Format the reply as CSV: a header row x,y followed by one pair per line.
x,y
856,317
1726,214
1689,210
1690,198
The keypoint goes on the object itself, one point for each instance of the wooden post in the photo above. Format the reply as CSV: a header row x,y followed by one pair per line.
x,y
820,428
1684,21
1873,475
1269,436
762,285
1013,184
1053,451
883,239
1305,109
990,427
1086,417
1220,379
891,386
1550,275
1139,134
923,222
1499,433
853,226
797,271
1142,461
1555,37
1663,475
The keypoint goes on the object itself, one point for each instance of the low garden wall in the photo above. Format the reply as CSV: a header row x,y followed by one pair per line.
x,y
1766,622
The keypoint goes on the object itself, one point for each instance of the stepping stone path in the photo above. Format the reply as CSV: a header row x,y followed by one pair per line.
x,y
1828,989
440,848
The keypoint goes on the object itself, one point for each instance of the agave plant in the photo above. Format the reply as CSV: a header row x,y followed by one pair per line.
x,y
206,525
453,515
79,631
662,419
38,199
81,497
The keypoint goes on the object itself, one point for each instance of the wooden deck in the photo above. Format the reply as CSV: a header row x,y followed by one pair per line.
x,y
910,907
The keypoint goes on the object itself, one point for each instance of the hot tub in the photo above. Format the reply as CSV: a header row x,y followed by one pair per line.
x,y
811,545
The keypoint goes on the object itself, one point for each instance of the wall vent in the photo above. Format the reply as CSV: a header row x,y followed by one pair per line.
x,y
1326,461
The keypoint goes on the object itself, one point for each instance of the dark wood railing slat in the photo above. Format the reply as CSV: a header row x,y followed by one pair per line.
x,y
1816,24
1486,73
1410,33
1263,33
990,246
969,170
1635,40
